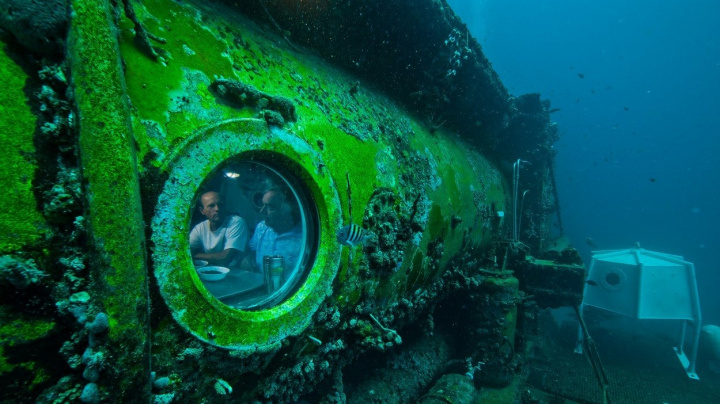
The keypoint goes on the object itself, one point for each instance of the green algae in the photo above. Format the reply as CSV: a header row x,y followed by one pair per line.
x,y
17,167
251,59
323,103
189,45
339,131
119,281
156,88
108,160
362,142
17,329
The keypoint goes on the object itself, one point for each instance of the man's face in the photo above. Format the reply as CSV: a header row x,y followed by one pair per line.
x,y
212,208
275,215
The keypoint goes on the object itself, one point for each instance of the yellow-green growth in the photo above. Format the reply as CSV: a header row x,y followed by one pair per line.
x,y
17,329
363,136
190,46
17,167
118,274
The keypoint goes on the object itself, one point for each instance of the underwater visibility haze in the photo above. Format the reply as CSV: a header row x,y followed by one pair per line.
x,y
271,201
634,86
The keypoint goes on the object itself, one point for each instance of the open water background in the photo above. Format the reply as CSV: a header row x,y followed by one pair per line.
x,y
638,87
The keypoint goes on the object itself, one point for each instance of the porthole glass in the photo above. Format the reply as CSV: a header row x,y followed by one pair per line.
x,y
612,279
253,233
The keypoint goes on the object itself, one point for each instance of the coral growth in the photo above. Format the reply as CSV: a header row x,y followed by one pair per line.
x,y
19,272
392,231
242,95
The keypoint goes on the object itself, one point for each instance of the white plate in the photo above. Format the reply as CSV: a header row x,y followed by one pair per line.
x,y
199,263
212,273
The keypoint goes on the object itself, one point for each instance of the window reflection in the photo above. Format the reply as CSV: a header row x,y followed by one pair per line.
x,y
253,234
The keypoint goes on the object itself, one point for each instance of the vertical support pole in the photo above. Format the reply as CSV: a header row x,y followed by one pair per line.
x,y
640,306
697,321
689,363
580,334
694,349
681,344
118,273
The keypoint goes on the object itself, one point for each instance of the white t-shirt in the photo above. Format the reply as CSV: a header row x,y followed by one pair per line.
x,y
233,233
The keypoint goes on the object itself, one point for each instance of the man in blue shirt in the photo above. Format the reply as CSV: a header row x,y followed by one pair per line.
x,y
280,233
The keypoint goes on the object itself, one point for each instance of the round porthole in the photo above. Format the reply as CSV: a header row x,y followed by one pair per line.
x,y
254,232
258,193
613,279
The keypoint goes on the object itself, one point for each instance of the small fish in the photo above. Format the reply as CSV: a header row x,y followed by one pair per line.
x,y
553,110
590,242
222,387
352,235
582,76
652,180
591,282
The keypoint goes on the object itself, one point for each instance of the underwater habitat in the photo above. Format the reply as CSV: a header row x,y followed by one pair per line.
x,y
314,201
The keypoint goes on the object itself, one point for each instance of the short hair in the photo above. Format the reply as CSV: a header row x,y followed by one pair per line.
x,y
198,201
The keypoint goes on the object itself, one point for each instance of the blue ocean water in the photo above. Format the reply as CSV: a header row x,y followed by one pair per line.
x,y
638,87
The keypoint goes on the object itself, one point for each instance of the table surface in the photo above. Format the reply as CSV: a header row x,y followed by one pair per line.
x,y
237,282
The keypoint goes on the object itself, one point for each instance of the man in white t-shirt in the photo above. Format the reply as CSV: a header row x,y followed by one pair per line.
x,y
221,239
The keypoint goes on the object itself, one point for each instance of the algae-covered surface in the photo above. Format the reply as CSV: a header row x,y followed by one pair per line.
x,y
354,128
172,97
364,140
21,224
18,330
154,126
113,211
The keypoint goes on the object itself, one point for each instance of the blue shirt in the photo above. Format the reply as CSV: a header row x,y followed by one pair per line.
x,y
267,241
